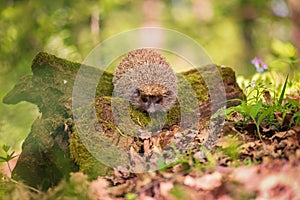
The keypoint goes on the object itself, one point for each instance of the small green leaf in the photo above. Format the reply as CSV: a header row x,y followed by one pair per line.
x,y
6,148
2,159
264,115
284,112
12,153
293,102
11,156
120,132
255,109
296,117
222,112
242,108
283,91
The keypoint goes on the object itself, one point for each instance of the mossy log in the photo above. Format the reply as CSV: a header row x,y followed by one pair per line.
x,y
54,148
45,157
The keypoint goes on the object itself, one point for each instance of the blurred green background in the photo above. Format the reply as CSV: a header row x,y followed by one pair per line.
x,y
232,32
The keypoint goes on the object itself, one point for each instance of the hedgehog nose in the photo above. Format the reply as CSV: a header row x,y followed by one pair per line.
x,y
151,108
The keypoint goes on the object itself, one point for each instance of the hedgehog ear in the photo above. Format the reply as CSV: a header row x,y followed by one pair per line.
x,y
137,92
169,93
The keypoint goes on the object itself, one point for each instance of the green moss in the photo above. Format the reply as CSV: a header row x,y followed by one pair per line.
x,y
197,83
104,135
87,163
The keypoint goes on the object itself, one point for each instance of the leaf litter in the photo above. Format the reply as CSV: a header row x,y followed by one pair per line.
x,y
241,166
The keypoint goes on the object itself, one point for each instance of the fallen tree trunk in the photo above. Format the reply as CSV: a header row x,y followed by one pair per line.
x,y
54,148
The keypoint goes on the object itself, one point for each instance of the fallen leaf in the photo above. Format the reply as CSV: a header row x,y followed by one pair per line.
x,y
247,175
165,188
98,190
206,182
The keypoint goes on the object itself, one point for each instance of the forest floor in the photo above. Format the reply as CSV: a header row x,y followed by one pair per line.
x,y
241,166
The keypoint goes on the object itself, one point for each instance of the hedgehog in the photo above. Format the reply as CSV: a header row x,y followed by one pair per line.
x,y
146,80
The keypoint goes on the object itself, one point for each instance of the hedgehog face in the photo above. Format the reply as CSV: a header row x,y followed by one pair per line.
x,y
152,103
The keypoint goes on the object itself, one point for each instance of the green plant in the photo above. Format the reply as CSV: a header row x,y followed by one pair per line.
x,y
180,158
131,196
279,106
9,155
296,117
231,147
186,159
283,91
256,110
294,105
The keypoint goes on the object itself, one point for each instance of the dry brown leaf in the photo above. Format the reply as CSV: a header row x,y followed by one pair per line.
x,y
268,98
247,175
279,186
282,135
206,182
294,97
146,146
224,197
145,197
98,190
122,189
165,138
165,188
137,160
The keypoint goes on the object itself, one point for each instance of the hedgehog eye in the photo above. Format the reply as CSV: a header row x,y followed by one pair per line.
x,y
158,101
144,99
